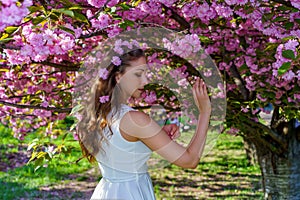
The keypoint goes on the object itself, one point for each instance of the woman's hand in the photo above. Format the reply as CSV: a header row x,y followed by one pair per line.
x,y
201,97
172,130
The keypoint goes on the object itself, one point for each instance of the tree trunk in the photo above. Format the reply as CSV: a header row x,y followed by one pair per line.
x,y
281,172
251,152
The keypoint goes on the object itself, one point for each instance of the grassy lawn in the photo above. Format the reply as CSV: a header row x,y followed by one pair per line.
x,y
222,174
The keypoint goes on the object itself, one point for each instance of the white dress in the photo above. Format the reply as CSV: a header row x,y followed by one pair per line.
x,y
123,167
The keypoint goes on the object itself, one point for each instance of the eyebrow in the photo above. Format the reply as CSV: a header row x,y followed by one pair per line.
x,y
140,69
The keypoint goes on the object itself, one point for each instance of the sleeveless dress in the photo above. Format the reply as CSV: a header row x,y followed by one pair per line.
x,y
123,166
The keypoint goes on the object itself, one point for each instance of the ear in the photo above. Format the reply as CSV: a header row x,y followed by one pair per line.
x,y
118,77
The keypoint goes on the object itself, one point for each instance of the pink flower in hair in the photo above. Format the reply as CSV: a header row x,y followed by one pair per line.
x,y
116,60
104,99
103,73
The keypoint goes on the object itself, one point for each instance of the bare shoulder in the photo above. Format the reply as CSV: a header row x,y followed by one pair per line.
x,y
135,123
137,117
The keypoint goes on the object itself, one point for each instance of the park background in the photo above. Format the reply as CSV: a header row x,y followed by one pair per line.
x,y
254,44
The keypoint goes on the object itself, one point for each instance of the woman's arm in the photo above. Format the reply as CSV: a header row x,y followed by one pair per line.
x,y
141,126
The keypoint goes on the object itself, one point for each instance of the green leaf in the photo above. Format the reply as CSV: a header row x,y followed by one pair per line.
x,y
75,8
33,157
124,6
113,9
268,16
11,29
33,9
137,3
204,39
297,20
243,67
38,20
270,95
126,23
80,17
64,11
271,46
284,68
54,16
34,143
283,8
288,54
67,29
285,39
279,19
288,25
76,109
4,70
5,40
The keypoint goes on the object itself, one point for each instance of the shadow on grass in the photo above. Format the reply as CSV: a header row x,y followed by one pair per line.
x,y
13,191
214,185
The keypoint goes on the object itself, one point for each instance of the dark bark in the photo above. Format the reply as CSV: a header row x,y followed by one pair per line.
x,y
281,169
251,152
54,109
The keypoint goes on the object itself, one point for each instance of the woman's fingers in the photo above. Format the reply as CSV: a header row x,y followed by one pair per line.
x,y
200,95
176,135
172,130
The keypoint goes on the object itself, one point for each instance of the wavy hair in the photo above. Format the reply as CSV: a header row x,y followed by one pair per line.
x,y
95,114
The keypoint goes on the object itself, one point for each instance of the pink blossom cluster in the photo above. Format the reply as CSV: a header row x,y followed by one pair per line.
x,y
132,44
289,45
12,14
103,99
151,7
236,2
101,22
167,3
222,10
151,97
203,11
101,3
179,73
185,46
29,85
103,73
40,45
295,3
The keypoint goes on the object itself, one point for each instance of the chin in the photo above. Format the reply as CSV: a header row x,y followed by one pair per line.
x,y
136,94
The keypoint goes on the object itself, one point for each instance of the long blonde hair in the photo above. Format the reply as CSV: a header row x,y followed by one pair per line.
x,y
95,114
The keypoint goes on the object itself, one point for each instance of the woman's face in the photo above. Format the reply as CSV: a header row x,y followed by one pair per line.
x,y
134,79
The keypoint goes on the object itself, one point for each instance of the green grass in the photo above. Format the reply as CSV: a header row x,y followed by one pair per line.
x,y
25,181
222,174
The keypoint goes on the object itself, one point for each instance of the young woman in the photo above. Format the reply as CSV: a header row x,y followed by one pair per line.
x,y
121,139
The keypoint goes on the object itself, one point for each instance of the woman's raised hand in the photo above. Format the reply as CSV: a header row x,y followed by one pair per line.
x,y
201,97
172,130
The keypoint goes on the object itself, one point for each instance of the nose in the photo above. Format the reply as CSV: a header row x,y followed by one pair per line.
x,y
145,80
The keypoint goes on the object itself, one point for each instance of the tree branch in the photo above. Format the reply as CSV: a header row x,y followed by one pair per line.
x,y
286,3
257,137
240,82
273,134
100,10
66,68
182,22
60,110
96,33
3,46
167,108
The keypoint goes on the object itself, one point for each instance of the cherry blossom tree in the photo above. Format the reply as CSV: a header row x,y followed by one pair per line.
x,y
255,45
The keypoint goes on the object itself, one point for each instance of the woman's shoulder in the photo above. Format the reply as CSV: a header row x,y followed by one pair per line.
x,y
140,125
138,117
